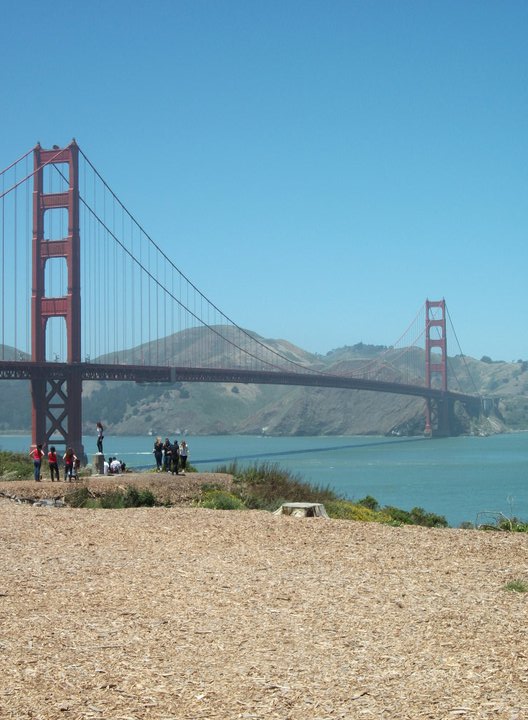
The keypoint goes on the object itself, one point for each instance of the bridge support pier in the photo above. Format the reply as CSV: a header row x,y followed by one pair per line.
x,y
438,417
56,411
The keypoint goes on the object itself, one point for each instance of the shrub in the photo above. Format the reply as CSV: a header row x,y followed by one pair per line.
x,y
135,497
111,500
416,516
513,525
369,502
15,466
346,510
221,500
78,498
428,519
267,486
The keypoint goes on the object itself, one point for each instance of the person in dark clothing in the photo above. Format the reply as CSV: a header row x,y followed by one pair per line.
x,y
100,437
53,463
167,455
175,458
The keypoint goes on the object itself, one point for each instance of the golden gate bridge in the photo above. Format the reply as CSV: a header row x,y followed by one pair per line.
x,y
140,318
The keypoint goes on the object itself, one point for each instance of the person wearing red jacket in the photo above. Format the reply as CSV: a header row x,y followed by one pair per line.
x,y
37,454
53,464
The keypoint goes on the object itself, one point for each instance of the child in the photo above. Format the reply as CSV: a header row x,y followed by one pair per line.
x,y
76,467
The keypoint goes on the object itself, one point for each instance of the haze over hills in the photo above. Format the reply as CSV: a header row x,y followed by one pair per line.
x,y
226,408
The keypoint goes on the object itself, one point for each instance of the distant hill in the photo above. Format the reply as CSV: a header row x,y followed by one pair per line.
x,y
211,408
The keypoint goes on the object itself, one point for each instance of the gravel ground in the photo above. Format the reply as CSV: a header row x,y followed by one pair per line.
x,y
191,613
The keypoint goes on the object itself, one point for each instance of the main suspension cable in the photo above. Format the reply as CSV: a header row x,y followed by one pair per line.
x,y
193,286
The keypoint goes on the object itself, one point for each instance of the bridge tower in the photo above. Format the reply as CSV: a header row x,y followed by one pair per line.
x,y
436,412
56,398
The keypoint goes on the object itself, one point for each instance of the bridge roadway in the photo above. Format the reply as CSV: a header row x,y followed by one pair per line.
x,y
28,370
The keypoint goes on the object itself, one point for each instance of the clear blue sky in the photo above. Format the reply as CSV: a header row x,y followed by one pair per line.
x,y
317,168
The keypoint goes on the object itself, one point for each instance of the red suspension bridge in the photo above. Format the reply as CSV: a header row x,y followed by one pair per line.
x,y
139,318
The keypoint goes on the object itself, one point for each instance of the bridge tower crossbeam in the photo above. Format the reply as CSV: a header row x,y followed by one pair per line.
x,y
56,404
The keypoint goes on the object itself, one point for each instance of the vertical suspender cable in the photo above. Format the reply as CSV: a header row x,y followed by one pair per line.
x,y
149,313
28,259
3,267
165,300
157,313
123,282
15,284
107,284
141,306
113,282
83,260
132,293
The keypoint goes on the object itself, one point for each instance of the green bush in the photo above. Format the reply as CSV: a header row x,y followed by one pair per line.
x,y
15,466
369,502
111,500
78,498
135,497
266,486
513,525
466,525
416,516
221,500
346,510
419,516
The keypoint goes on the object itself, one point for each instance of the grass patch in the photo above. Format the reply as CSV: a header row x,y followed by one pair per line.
x,y
520,586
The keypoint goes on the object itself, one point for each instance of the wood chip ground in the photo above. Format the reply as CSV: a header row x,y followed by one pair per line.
x,y
187,613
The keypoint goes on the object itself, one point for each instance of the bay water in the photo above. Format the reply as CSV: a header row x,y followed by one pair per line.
x,y
455,477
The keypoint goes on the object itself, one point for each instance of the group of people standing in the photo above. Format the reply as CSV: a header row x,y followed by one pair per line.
x,y
70,459
171,457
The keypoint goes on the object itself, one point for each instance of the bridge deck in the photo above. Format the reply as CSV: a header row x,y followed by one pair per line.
x,y
27,370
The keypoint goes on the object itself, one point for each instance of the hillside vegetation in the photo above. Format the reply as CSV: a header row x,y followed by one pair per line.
x,y
225,408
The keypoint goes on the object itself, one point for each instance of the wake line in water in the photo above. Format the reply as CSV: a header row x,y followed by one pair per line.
x,y
286,453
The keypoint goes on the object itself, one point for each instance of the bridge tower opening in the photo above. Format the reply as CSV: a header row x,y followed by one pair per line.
x,y
436,412
56,397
